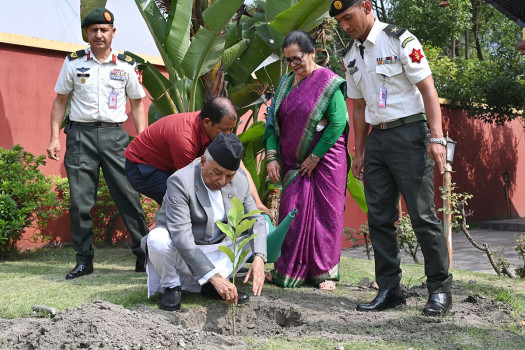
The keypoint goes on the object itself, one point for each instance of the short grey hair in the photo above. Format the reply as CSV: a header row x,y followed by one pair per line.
x,y
208,156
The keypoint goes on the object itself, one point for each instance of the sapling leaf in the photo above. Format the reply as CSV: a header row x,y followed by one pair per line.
x,y
246,240
228,252
236,212
243,226
241,259
227,229
253,212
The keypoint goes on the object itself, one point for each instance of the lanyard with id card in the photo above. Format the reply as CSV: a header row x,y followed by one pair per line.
x,y
112,101
382,95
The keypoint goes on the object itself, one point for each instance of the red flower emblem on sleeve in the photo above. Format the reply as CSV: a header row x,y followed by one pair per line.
x,y
416,55
139,74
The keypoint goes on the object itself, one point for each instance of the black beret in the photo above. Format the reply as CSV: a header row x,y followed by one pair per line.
x,y
339,6
98,16
226,150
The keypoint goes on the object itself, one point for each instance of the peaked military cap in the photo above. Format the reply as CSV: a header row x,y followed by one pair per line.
x,y
98,16
339,6
226,150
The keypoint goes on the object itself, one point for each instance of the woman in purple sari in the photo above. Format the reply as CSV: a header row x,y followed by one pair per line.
x,y
305,139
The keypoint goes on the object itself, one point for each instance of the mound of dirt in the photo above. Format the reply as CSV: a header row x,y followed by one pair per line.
x,y
294,314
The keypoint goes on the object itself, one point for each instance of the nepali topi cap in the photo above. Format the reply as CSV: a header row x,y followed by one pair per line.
x,y
98,16
226,150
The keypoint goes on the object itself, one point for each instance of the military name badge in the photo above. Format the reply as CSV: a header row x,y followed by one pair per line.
x,y
112,102
416,55
117,74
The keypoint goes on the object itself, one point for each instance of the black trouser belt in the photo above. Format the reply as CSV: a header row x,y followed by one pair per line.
x,y
97,124
402,121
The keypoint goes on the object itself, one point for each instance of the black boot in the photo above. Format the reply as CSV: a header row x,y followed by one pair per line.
x,y
385,299
79,271
438,304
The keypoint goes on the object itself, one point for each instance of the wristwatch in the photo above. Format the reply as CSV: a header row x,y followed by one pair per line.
x,y
262,256
439,140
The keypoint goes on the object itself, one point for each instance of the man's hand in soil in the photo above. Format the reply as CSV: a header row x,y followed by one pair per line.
x,y
225,288
257,272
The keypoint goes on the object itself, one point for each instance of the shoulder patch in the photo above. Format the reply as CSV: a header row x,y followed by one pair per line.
x,y
126,58
406,41
393,30
76,54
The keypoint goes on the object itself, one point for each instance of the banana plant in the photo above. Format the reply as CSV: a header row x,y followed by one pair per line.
x,y
217,48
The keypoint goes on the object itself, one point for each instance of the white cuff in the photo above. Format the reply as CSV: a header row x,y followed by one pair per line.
x,y
207,276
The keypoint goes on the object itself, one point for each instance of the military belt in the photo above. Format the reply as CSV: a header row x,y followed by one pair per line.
x,y
97,124
402,121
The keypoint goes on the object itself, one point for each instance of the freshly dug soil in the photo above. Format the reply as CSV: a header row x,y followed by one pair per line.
x,y
292,315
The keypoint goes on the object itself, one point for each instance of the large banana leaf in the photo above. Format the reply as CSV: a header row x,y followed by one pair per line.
x,y
304,15
205,51
177,38
270,74
85,7
262,28
243,95
253,159
220,13
275,7
254,55
158,87
232,53
156,24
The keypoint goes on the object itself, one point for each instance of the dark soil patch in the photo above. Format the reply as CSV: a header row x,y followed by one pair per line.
x,y
295,315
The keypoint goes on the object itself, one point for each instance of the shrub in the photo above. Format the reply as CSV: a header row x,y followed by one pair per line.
x,y
406,237
27,196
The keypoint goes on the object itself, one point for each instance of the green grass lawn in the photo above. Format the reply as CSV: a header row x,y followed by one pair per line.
x,y
38,278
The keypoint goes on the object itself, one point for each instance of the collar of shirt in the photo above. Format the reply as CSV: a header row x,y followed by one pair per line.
x,y
374,32
204,138
90,55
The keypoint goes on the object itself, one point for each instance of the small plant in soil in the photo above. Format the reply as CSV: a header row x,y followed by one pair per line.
x,y
238,223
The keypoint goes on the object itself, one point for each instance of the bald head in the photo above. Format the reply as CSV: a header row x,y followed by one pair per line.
x,y
218,107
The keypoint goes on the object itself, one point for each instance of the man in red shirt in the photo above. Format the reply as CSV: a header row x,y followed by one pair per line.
x,y
175,141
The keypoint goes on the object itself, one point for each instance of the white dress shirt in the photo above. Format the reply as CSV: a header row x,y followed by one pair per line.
x,y
92,82
390,67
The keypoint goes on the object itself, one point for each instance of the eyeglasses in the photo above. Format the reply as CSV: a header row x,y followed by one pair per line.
x,y
294,60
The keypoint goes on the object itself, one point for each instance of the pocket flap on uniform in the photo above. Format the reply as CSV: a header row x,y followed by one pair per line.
x,y
389,69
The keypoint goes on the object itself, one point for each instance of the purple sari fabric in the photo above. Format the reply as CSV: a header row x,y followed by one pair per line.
x,y
312,247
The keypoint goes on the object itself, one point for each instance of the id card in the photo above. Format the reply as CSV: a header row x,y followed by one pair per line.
x,y
112,102
382,96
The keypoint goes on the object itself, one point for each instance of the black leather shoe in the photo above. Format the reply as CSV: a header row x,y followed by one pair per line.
x,y
79,271
140,265
171,299
209,291
385,299
438,304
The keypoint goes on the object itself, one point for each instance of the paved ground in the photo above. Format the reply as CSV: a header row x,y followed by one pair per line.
x,y
465,256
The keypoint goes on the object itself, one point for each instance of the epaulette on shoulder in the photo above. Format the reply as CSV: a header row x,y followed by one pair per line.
x,y
394,30
126,58
76,54
347,48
